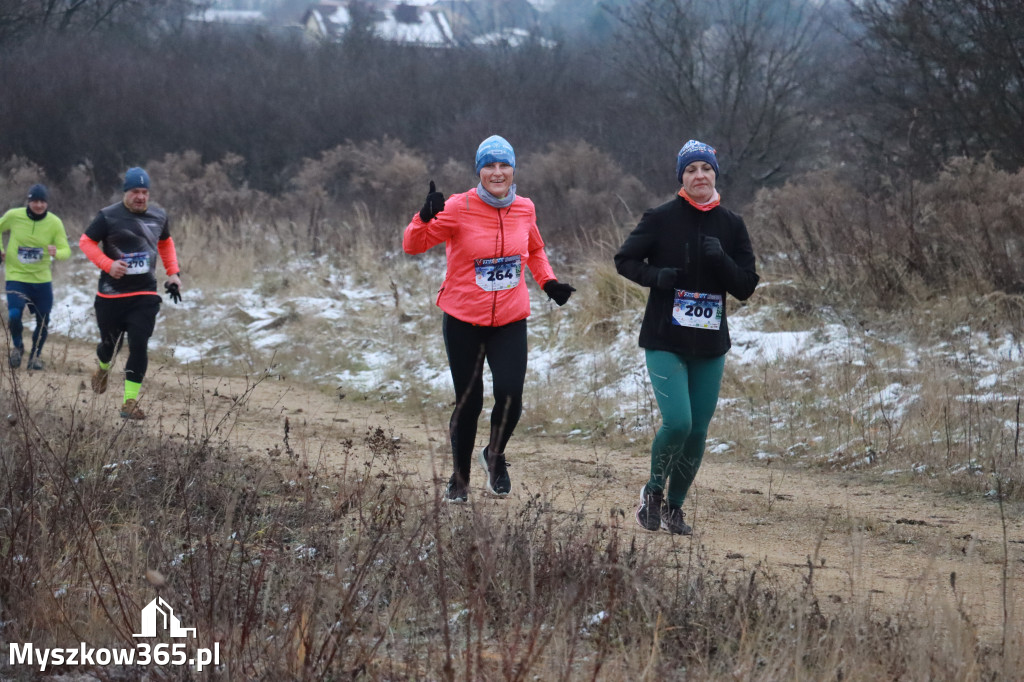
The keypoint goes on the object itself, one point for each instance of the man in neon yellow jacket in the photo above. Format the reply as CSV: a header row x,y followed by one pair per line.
x,y
37,238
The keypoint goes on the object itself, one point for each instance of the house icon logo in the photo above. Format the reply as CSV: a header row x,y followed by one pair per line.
x,y
159,613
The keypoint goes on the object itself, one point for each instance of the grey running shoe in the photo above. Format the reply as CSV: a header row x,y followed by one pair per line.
x,y
648,514
35,363
15,356
130,410
498,482
457,492
99,380
672,521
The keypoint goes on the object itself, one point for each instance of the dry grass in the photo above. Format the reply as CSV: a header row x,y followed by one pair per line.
x,y
304,573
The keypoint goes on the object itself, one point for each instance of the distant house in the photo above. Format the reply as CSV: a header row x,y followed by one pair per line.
x,y
413,22
510,37
486,19
229,17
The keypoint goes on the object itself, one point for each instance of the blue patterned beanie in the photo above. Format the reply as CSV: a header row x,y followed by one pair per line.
x,y
495,149
136,178
695,151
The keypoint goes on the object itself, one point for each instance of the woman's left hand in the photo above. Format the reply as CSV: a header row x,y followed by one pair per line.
x,y
558,292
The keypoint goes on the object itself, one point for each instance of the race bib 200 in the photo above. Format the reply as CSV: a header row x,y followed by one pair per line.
x,y
697,310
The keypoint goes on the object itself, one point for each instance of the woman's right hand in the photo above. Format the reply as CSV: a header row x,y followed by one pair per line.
x,y
433,205
667,278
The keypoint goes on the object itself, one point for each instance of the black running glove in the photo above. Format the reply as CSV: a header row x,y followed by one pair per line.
x,y
173,291
667,278
712,249
433,205
558,292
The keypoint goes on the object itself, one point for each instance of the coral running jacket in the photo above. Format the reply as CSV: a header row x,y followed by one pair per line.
x,y
486,249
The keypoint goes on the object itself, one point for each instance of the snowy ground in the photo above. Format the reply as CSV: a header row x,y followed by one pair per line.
x,y
353,339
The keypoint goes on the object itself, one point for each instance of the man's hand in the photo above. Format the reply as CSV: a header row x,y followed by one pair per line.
x,y
117,269
172,290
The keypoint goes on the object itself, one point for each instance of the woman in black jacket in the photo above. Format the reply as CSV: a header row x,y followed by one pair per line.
x,y
690,252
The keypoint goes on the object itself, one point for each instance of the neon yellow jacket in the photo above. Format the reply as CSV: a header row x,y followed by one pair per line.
x,y
23,261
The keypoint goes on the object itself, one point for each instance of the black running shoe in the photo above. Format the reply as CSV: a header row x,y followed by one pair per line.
x,y
672,521
648,514
498,482
457,492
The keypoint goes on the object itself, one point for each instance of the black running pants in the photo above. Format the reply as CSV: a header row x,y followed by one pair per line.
x,y
504,348
134,316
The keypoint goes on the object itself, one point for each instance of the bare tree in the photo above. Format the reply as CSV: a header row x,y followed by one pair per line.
x,y
25,18
947,75
737,73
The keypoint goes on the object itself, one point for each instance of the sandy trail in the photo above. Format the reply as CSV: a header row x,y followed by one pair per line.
x,y
882,543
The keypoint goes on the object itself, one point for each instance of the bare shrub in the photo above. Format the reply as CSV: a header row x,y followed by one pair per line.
x,y
358,192
214,189
17,174
579,190
905,243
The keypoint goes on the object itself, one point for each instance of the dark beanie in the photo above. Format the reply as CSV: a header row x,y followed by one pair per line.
x,y
135,178
38,193
695,150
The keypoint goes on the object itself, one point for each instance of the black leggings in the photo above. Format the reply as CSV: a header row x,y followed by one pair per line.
x,y
131,315
505,350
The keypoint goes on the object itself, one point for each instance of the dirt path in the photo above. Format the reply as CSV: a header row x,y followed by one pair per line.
x,y
890,545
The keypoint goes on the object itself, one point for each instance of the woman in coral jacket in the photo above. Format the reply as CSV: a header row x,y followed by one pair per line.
x,y
691,252
489,234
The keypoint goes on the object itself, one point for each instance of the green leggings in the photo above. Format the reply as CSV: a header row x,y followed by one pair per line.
x,y
687,393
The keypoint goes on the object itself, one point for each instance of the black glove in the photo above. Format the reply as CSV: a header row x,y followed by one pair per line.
x,y
558,292
173,291
433,205
712,249
667,278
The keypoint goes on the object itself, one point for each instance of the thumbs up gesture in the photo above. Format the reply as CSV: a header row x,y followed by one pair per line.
x,y
433,205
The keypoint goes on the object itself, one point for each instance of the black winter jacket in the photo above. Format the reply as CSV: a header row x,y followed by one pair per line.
x,y
670,236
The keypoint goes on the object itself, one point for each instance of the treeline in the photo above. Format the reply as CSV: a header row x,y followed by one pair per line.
x,y
781,87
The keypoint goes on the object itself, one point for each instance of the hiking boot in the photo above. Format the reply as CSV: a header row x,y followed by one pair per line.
x,y
648,514
498,482
35,363
672,521
15,357
457,492
99,380
130,410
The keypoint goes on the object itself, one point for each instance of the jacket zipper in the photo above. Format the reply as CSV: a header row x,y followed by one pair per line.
x,y
501,251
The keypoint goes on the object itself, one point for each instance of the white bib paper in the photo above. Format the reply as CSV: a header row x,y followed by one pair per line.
x,y
498,274
138,263
30,255
697,310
